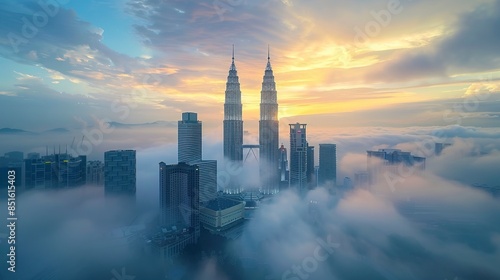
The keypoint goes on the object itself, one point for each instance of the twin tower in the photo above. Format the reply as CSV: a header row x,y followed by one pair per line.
x,y
268,127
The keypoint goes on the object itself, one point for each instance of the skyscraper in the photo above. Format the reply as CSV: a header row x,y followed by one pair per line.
x,y
189,151
189,138
120,173
310,175
179,196
387,164
439,147
298,156
361,179
327,165
12,161
233,121
283,168
95,173
208,179
269,133
55,171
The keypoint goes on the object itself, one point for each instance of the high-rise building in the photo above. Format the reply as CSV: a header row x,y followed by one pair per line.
x,y
269,133
179,196
15,156
208,179
189,151
34,177
388,163
95,173
189,138
55,171
12,161
439,147
33,156
120,173
361,179
298,156
310,175
283,168
327,165
316,175
233,120
348,184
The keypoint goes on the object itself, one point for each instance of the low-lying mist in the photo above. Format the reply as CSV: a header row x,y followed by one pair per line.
x,y
435,225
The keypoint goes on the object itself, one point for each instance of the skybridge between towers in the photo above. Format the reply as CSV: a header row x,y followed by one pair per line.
x,y
250,148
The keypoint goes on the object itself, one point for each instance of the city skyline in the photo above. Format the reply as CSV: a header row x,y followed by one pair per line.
x,y
243,140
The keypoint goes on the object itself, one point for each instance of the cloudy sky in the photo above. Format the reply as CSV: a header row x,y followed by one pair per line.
x,y
337,63
364,74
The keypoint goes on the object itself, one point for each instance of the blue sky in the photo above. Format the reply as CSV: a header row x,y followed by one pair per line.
x,y
335,58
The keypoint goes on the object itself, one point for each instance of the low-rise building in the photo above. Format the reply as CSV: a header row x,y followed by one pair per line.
x,y
220,213
169,243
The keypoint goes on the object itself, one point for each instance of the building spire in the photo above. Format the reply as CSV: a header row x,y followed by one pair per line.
x,y
268,66
233,67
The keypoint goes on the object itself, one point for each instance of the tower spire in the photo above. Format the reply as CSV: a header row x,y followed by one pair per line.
x,y
233,67
268,66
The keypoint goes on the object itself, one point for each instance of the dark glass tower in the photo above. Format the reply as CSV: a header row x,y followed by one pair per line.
x,y
233,121
311,180
269,133
120,172
328,165
283,168
59,170
298,156
179,196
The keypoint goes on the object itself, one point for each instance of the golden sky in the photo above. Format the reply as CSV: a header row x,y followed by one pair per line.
x,y
144,61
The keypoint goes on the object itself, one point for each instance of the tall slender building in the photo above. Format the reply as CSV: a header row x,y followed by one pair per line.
x,y
233,120
328,165
311,177
298,156
189,138
283,168
269,133
190,152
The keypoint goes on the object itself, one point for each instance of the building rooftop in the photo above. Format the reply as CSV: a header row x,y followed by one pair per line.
x,y
251,204
221,203
165,237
